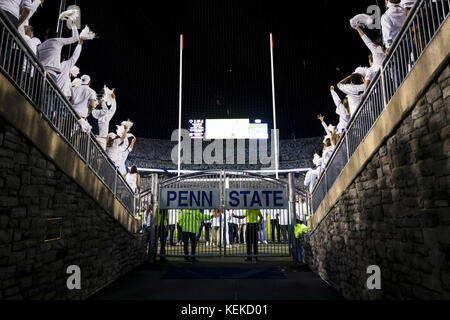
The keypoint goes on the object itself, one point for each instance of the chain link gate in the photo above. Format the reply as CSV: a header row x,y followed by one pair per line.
x,y
214,230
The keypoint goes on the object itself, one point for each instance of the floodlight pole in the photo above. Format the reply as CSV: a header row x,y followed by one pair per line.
x,y
277,165
180,105
62,8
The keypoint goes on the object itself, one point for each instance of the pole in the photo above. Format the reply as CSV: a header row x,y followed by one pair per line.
x,y
180,105
59,28
277,166
293,216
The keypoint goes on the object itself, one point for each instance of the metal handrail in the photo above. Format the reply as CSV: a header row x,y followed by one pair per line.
x,y
22,68
408,47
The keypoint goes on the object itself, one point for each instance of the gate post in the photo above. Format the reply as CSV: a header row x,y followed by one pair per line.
x,y
293,217
155,204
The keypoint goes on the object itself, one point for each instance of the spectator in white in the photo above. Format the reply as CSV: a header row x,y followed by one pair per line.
x,y
112,146
242,227
375,58
328,150
124,152
84,98
29,36
392,22
134,180
33,43
215,231
17,11
49,53
343,110
33,8
353,87
328,129
104,115
226,217
318,162
63,79
311,178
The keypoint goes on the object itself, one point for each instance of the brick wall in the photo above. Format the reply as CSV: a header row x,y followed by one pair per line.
x,y
396,213
32,191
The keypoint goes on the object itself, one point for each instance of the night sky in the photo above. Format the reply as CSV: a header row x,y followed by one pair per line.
x,y
226,59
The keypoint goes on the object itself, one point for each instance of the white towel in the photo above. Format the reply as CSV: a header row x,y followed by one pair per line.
x,y
362,20
87,34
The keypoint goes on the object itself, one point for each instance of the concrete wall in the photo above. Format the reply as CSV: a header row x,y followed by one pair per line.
x,y
396,213
32,192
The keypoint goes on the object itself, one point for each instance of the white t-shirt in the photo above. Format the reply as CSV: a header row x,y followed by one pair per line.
x,y
392,22
344,117
215,222
33,8
113,151
311,179
63,79
13,6
354,93
284,216
131,179
104,116
49,53
173,216
81,97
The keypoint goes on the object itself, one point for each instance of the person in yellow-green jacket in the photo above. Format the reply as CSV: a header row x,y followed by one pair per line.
x,y
300,229
253,218
189,222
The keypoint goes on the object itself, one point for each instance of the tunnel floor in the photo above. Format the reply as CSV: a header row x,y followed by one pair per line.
x,y
219,279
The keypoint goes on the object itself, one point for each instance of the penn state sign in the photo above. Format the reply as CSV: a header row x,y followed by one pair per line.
x,y
256,199
178,198
190,198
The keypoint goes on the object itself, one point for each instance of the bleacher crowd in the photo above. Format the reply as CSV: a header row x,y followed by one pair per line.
x,y
94,111
355,85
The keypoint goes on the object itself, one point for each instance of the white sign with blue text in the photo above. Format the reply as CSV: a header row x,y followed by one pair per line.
x,y
256,199
175,198
182,198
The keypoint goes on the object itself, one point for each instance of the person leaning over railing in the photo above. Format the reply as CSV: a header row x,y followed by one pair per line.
x,y
49,53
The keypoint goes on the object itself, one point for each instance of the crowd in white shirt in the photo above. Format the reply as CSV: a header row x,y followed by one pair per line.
x,y
357,83
88,106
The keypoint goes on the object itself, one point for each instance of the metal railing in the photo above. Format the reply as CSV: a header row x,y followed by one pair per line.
x,y
19,64
423,23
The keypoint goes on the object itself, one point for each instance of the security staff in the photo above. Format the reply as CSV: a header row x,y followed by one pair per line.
x,y
300,229
189,222
253,219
